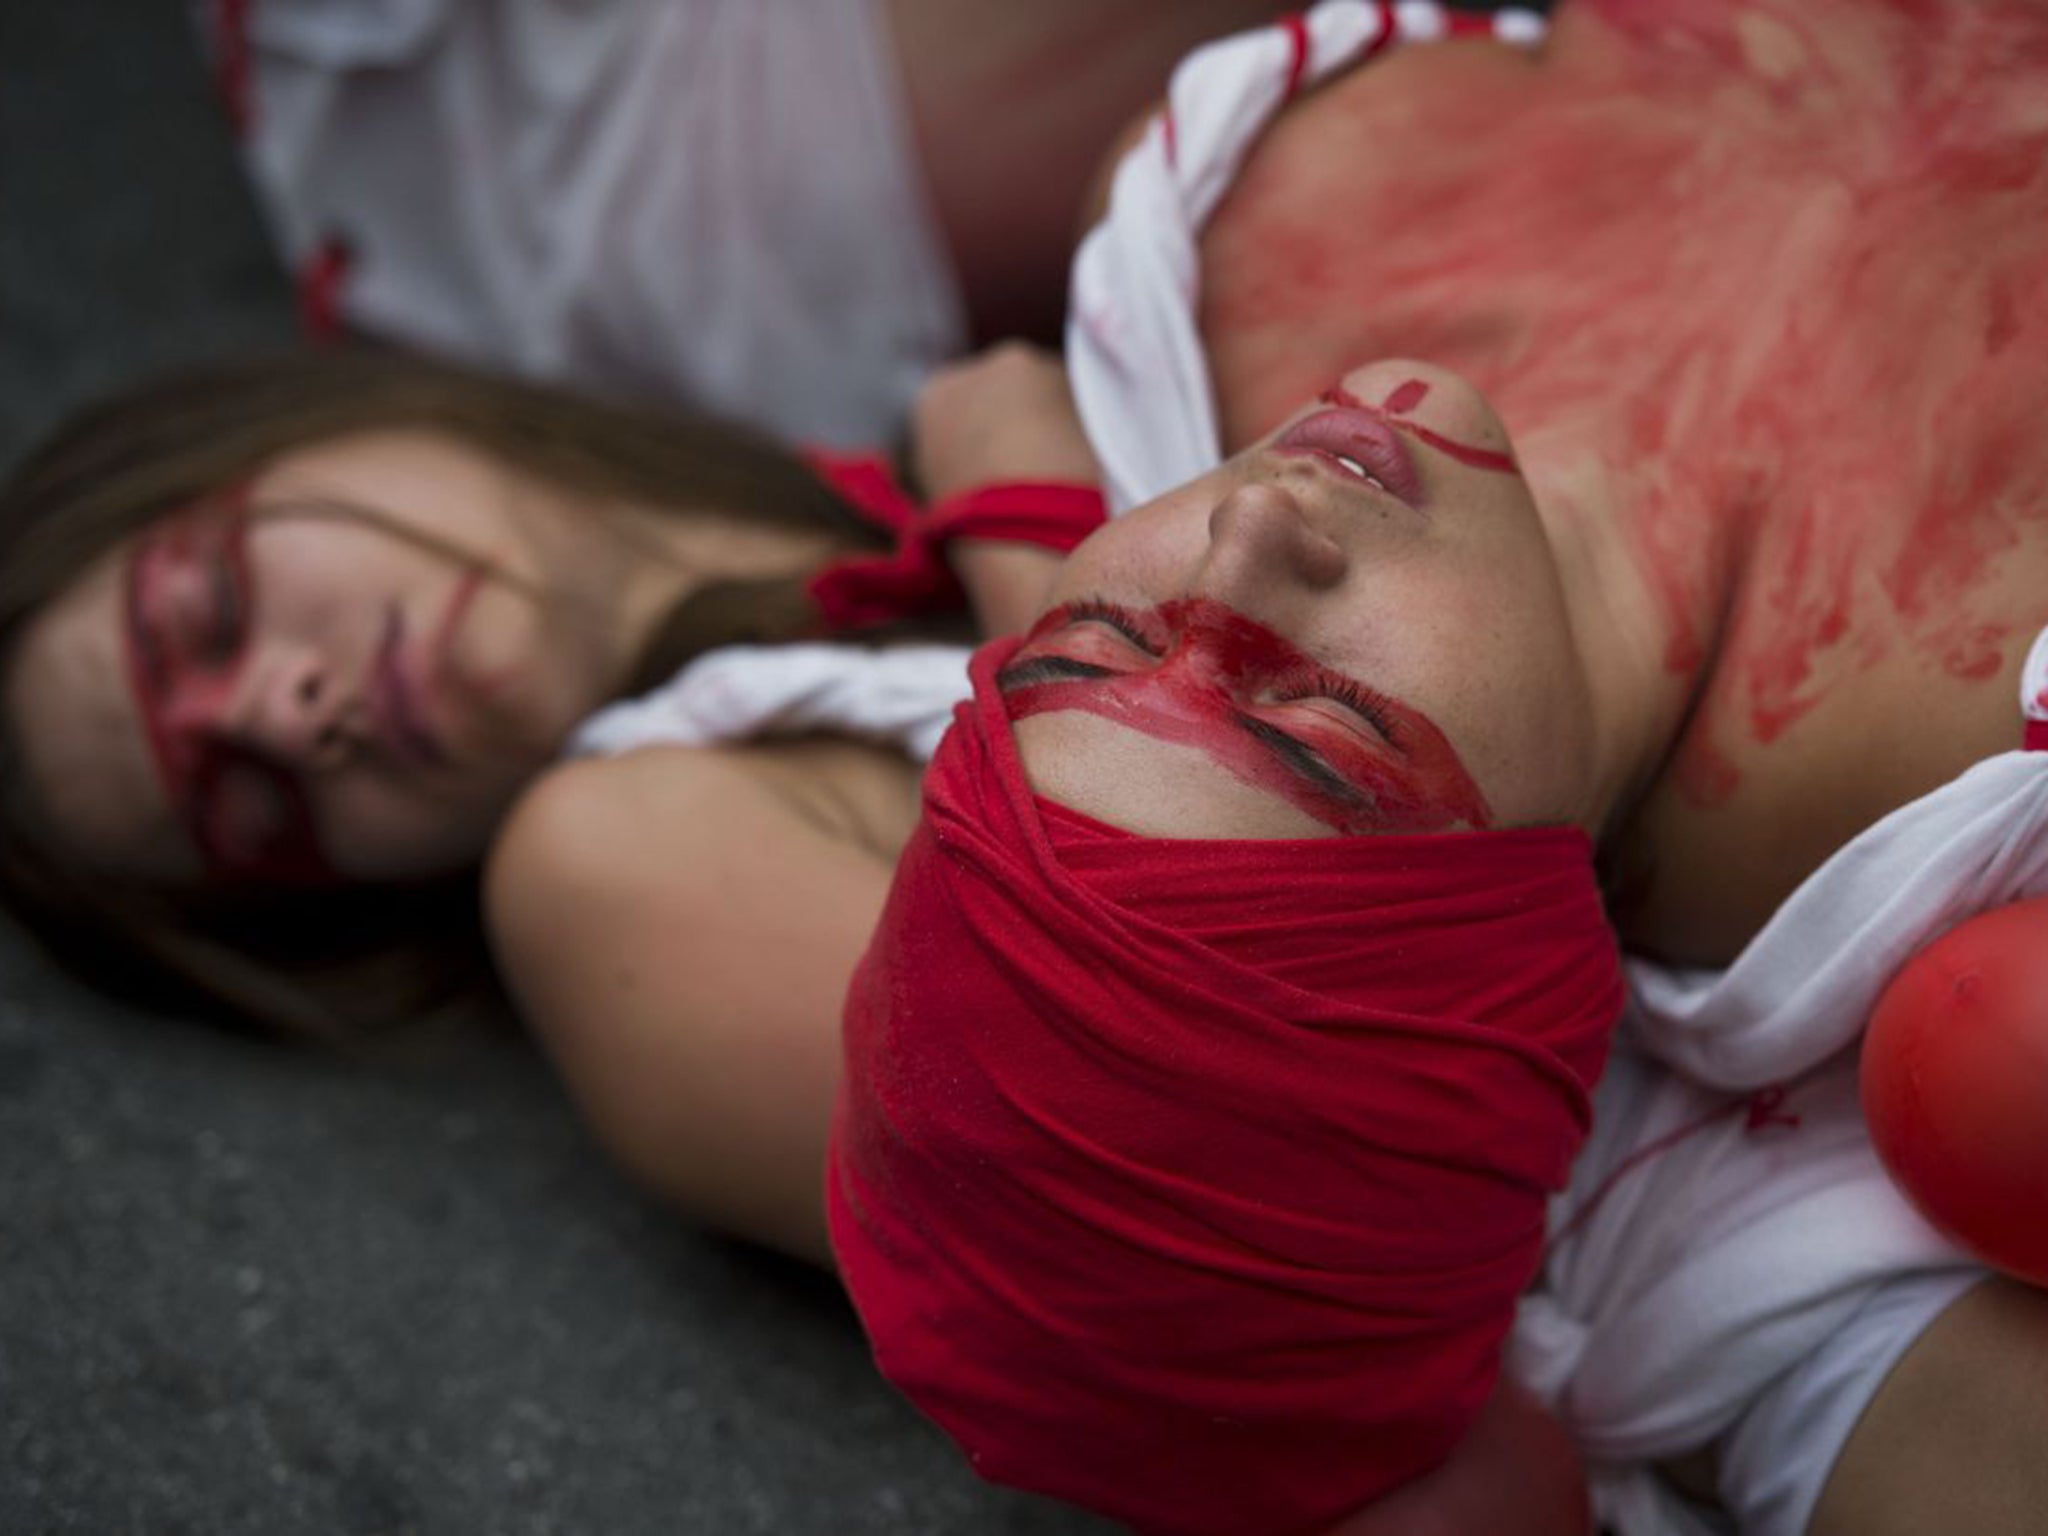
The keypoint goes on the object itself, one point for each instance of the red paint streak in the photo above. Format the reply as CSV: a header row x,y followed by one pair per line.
x,y
182,677
321,280
1705,776
1297,62
1205,670
1470,24
1759,289
1464,453
1404,397
1977,657
467,587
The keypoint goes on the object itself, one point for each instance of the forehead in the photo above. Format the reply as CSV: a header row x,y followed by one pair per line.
x,y
416,479
74,724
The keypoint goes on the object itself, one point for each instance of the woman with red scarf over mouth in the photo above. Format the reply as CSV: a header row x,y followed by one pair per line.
x,y
1236,1005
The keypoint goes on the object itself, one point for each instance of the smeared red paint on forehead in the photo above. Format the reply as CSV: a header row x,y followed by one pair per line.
x,y
1221,680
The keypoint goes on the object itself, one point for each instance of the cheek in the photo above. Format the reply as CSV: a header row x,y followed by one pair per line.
x,y
1493,668
1147,554
1527,742
1169,529
519,677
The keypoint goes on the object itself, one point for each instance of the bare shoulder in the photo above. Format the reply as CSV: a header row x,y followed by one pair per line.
x,y
613,865
593,819
678,928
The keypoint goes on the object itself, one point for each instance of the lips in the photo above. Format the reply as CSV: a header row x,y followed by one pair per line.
x,y
1359,444
401,712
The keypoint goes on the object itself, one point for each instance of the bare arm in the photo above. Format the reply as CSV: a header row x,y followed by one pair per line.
x,y
1005,414
679,926
1954,1439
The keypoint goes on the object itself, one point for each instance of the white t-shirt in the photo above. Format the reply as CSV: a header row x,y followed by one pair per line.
x,y
715,202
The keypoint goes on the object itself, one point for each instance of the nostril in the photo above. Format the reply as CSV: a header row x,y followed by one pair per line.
x,y
309,689
1267,529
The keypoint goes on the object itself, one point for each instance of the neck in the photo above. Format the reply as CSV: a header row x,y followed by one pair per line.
x,y
1644,622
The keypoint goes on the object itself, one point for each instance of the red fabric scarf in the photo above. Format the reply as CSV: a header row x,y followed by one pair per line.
x,y
859,591
1195,1181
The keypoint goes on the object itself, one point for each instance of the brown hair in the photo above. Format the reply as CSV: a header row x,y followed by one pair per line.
x,y
377,957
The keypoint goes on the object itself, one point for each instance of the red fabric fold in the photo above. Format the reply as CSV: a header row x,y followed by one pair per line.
x,y
1195,1182
861,591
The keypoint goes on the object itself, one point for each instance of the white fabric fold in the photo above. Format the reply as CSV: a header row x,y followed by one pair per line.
x,y
718,202
903,696
1804,987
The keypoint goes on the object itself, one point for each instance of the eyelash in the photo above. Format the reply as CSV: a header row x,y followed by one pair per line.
x,y
1095,610
1360,701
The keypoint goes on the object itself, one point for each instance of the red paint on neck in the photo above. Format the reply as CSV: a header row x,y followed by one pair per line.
x,y
1210,678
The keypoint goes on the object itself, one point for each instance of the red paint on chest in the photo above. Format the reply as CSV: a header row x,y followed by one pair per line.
x,y
1770,277
1210,678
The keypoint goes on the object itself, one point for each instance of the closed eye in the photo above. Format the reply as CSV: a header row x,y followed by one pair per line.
x,y
1093,610
1047,669
1302,759
1312,682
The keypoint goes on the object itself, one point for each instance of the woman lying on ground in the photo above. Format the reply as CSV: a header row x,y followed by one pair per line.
x,y
285,638
1076,1196
283,641
691,988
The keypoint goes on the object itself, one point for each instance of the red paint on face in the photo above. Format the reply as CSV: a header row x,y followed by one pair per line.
x,y
1194,672
1464,453
1404,397
187,599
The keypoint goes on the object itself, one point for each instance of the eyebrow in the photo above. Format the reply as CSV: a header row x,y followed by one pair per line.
x,y
1291,752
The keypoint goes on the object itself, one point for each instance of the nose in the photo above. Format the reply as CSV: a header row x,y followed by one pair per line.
x,y
285,705
1262,547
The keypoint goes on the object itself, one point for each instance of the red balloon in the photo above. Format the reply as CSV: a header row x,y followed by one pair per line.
x,y
1955,1085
